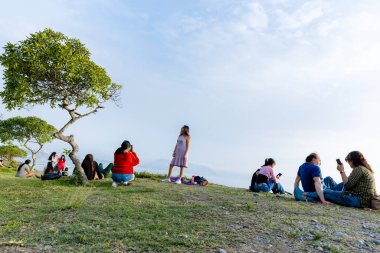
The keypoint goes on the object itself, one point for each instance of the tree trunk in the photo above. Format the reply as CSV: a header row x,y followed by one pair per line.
x,y
73,155
34,158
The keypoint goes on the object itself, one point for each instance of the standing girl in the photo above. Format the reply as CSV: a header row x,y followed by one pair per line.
x,y
180,153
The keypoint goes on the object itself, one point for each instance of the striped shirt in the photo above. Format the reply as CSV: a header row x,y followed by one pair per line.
x,y
361,183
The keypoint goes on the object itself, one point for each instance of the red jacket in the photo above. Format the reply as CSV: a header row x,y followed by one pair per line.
x,y
123,163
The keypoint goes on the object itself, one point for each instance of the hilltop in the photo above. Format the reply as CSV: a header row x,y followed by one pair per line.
x,y
151,216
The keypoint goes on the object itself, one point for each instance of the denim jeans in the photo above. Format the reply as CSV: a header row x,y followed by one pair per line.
x,y
122,177
336,197
329,183
342,199
270,186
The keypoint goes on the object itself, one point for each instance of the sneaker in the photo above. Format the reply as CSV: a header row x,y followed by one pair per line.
x,y
298,194
166,180
114,184
125,183
178,181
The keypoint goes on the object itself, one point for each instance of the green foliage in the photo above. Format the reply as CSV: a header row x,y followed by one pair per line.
x,y
153,176
11,164
28,129
48,67
11,151
66,152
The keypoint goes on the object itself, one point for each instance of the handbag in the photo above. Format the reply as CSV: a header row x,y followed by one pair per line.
x,y
375,202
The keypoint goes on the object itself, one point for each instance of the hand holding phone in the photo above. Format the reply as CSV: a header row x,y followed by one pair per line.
x,y
340,165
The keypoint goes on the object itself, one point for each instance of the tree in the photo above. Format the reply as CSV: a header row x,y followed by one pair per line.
x,y
50,68
10,152
28,132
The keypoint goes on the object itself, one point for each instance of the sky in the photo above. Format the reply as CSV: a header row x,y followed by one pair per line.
x,y
252,79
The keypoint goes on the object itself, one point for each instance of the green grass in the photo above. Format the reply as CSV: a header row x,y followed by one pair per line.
x,y
151,216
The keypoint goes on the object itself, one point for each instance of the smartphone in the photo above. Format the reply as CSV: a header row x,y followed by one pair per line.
x,y
338,161
279,174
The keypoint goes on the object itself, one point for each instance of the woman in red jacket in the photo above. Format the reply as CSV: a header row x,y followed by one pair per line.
x,y
124,160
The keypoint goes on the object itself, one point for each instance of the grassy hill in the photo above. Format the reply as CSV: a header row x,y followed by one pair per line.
x,y
151,216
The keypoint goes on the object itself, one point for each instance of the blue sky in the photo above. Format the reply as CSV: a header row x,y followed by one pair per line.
x,y
252,79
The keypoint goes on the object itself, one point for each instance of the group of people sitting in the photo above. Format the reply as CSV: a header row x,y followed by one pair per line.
x,y
357,188
122,168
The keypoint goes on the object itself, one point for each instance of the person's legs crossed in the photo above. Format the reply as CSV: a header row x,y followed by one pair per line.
x,y
262,187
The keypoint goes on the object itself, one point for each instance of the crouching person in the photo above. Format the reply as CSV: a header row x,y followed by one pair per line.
x,y
266,180
124,160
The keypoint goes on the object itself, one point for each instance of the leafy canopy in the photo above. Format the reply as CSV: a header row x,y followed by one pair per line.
x,y
11,151
48,67
28,129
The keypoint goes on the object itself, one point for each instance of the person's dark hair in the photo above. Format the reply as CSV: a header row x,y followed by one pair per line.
x,y
89,158
358,159
26,162
63,157
310,157
269,162
125,145
52,155
185,130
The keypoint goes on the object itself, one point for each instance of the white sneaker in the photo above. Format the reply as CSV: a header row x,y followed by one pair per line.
x,y
114,184
166,180
178,181
125,183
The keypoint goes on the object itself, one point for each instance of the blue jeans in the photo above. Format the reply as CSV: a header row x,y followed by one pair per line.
x,y
118,178
329,183
336,197
342,199
270,186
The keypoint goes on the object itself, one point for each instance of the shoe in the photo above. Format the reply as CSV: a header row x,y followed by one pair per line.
x,y
166,180
298,194
178,181
126,183
114,184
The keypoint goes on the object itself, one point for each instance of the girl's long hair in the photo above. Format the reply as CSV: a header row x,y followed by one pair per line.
x,y
52,155
185,130
125,145
269,162
358,159
89,158
26,162
63,157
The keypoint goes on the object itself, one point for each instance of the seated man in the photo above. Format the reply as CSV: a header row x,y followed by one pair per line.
x,y
309,174
1,162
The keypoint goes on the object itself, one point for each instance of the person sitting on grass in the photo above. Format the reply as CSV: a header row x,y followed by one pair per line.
x,y
52,165
359,186
267,180
124,160
107,170
24,170
1,162
310,176
61,163
91,168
